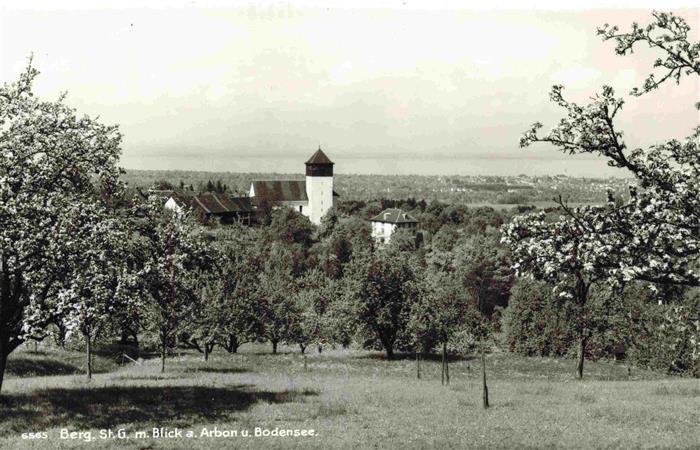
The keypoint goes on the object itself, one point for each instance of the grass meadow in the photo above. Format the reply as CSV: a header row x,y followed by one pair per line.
x,y
351,399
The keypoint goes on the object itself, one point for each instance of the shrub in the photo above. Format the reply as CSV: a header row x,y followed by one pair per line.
x,y
669,337
538,323
534,323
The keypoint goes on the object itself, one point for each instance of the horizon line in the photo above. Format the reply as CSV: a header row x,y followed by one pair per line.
x,y
301,174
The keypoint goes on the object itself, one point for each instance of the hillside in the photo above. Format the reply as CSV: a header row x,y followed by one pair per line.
x,y
355,399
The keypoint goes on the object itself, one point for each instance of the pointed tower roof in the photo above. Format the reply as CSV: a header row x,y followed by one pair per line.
x,y
319,158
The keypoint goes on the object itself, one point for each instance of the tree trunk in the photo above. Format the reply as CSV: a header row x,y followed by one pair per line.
x,y
123,336
442,372
232,343
388,345
3,361
303,349
447,363
582,296
581,356
417,364
211,347
274,347
163,349
60,336
206,352
447,371
320,349
483,373
305,366
389,352
89,356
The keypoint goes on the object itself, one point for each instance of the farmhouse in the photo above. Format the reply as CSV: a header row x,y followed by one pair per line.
x,y
312,197
210,207
388,221
174,200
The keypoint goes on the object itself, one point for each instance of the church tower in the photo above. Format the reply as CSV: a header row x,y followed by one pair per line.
x,y
319,185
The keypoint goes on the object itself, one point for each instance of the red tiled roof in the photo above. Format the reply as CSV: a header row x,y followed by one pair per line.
x,y
242,204
213,203
280,190
181,198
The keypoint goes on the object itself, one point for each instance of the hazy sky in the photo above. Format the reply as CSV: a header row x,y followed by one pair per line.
x,y
387,87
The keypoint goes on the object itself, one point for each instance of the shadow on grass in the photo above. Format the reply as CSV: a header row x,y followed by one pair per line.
x,y
412,356
283,352
160,377
116,352
36,352
137,406
216,370
34,367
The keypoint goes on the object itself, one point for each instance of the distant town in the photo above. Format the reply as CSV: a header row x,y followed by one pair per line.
x,y
496,191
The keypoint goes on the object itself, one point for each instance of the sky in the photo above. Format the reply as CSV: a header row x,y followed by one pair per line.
x,y
383,87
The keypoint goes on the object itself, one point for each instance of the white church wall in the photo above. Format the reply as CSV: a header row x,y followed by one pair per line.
x,y
319,190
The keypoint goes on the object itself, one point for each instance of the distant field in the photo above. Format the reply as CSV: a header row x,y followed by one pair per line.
x,y
540,204
355,399
497,191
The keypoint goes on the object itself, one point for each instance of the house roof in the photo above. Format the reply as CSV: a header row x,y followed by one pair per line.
x,y
393,215
182,198
129,196
319,158
280,190
213,203
242,204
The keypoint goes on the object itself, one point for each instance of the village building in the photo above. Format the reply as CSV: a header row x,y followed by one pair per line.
x,y
174,200
388,221
210,207
312,197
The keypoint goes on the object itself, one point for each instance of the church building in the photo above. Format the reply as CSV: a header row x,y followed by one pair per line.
x,y
312,197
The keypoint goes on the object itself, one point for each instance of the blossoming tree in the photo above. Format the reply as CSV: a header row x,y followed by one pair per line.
x,y
102,282
654,236
172,255
54,166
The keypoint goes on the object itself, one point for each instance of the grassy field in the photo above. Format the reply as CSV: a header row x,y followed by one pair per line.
x,y
351,399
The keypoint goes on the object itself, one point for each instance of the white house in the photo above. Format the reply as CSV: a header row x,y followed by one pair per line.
x,y
388,221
